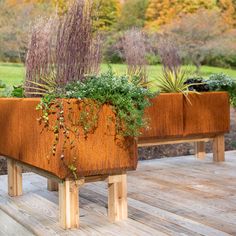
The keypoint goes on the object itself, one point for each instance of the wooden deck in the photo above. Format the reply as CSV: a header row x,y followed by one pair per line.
x,y
175,196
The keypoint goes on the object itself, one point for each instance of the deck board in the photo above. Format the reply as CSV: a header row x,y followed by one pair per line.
x,y
172,196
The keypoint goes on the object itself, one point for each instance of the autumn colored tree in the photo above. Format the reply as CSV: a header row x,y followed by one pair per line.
x,y
200,34
161,12
132,14
106,14
228,11
15,25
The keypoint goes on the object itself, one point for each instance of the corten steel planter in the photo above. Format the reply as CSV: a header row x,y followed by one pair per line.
x,y
198,119
208,113
173,116
165,117
100,153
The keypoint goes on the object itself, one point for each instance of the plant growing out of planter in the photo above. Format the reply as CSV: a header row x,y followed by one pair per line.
x,y
62,68
173,77
135,52
181,113
215,82
222,82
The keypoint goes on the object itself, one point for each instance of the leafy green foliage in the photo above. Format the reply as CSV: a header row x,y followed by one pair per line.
x,y
124,94
137,18
222,82
18,91
106,14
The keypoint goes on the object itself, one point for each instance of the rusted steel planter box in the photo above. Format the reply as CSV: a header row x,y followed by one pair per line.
x,y
24,140
165,117
208,113
172,116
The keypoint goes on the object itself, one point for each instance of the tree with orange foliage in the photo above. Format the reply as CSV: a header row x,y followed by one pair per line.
x,y
201,34
161,12
228,11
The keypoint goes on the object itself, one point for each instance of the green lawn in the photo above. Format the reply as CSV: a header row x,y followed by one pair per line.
x,y
13,74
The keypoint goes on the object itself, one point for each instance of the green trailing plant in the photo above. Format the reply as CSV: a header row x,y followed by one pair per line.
x,y
124,93
62,53
222,82
52,105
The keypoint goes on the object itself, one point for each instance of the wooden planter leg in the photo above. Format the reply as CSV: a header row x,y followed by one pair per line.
x,y
219,148
200,150
69,204
14,179
52,185
117,197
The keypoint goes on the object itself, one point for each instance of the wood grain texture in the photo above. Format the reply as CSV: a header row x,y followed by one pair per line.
x,y
8,226
69,204
165,117
208,113
14,179
219,148
169,196
101,152
200,150
117,198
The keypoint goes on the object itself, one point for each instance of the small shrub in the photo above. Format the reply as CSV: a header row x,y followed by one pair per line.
x,y
153,59
219,82
222,82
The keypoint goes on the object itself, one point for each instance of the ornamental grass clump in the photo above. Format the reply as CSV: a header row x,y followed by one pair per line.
x,y
63,63
61,50
135,51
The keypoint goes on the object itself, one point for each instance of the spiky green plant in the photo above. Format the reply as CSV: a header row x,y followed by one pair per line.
x,y
174,81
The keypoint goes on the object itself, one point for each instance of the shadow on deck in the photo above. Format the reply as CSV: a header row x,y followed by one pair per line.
x,y
174,196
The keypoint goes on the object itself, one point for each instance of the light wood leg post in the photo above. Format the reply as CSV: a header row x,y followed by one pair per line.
x,y
219,148
69,204
200,150
14,179
117,197
52,185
